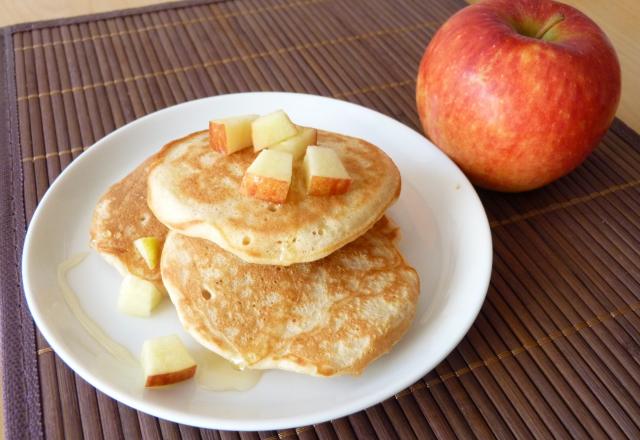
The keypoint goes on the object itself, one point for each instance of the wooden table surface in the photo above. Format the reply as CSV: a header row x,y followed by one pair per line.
x,y
619,19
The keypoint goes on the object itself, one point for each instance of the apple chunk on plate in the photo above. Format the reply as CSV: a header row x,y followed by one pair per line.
x,y
272,128
269,176
138,297
324,173
232,134
165,360
297,145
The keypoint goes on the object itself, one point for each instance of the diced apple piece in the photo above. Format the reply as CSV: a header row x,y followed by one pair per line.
x,y
270,129
149,249
165,360
269,176
297,145
138,297
324,172
232,134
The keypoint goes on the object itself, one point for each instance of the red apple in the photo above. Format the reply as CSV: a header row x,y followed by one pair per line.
x,y
518,92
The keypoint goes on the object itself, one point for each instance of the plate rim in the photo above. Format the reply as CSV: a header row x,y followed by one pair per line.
x,y
273,423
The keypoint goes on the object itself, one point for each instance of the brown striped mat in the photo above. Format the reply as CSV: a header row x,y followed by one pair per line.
x,y
556,348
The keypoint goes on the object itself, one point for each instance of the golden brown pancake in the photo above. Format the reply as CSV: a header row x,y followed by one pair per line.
x,y
196,191
331,316
122,216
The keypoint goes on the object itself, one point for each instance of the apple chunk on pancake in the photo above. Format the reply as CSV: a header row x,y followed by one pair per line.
x,y
150,249
332,316
324,173
231,134
297,145
268,177
196,191
272,128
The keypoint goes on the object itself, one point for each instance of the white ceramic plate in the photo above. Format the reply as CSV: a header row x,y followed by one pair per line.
x,y
445,232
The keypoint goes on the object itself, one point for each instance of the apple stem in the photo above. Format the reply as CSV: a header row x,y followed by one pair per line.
x,y
554,20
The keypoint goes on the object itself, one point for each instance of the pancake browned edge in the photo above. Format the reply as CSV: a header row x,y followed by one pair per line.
x,y
196,191
122,216
332,316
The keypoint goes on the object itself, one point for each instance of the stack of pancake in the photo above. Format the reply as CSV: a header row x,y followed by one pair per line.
x,y
314,285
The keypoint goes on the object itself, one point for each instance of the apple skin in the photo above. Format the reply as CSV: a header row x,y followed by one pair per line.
x,y
264,188
170,377
328,186
516,112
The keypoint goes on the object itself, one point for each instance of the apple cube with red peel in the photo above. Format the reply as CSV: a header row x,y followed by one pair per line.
x,y
324,172
269,176
270,129
138,297
165,360
297,145
232,134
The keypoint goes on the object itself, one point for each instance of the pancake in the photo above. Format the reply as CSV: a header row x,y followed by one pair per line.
x,y
329,317
122,216
196,191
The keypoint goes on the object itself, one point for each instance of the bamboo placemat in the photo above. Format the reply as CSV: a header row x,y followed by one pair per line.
x,y
556,348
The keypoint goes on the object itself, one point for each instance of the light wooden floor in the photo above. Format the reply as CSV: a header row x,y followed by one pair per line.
x,y
21,11
619,18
